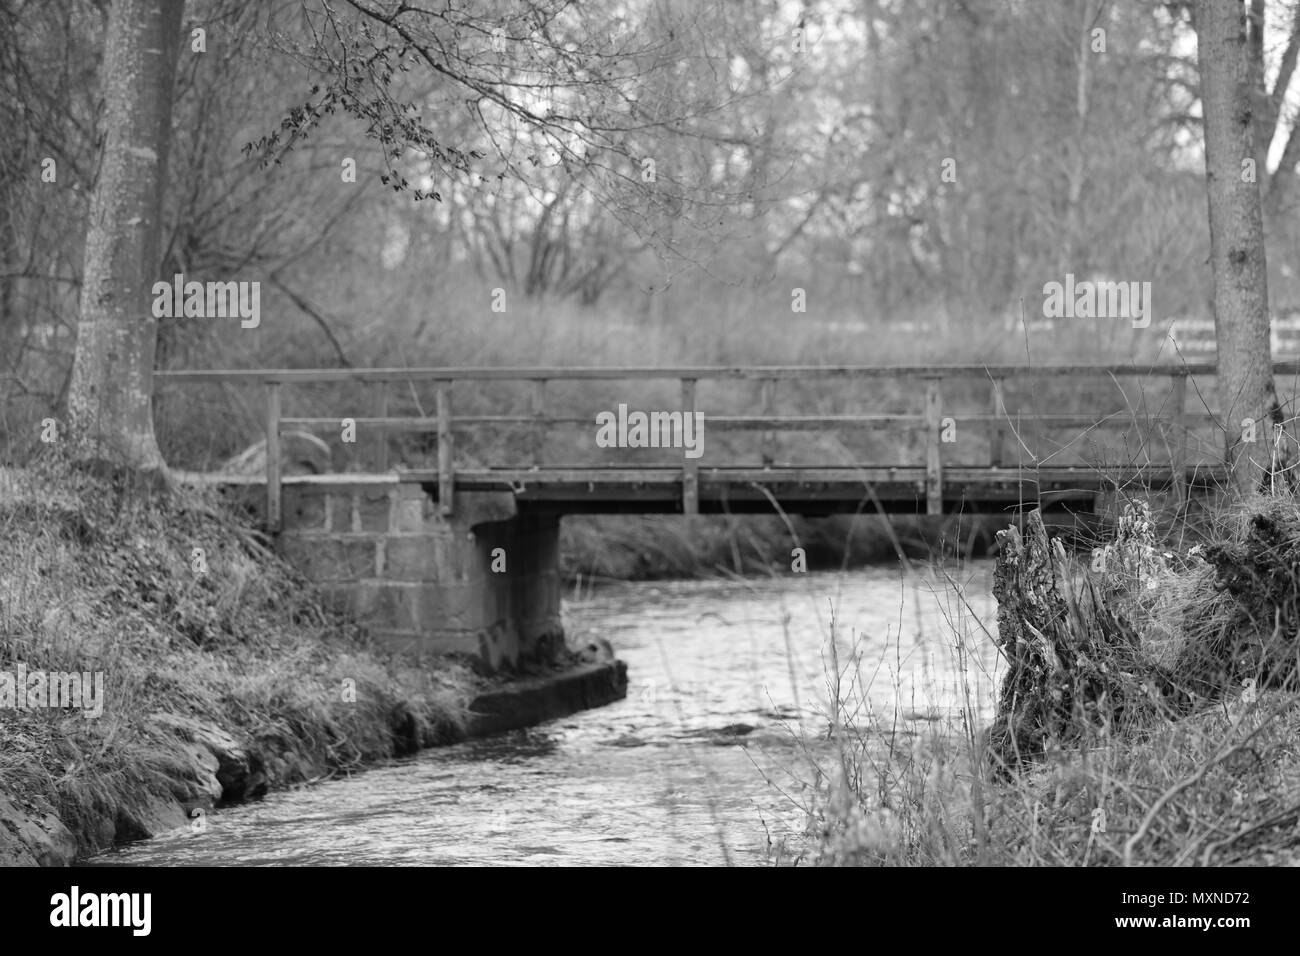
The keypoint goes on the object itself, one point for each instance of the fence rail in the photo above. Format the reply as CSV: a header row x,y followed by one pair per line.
x,y
996,422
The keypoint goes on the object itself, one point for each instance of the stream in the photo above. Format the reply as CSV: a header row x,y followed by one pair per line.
x,y
708,760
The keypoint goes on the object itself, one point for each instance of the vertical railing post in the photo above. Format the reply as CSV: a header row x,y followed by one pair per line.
x,y
383,429
1177,436
997,432
768,399
933,462
537,408
446,475
273,456
690,466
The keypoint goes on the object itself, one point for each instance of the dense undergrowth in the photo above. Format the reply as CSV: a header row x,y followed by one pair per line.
x,y
1148,715
100,574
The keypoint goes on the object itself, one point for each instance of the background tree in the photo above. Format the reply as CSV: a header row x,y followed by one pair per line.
x,y
795,146
1248,398
110,397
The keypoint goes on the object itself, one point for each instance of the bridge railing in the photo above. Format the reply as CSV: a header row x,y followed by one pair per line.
x,y
444,423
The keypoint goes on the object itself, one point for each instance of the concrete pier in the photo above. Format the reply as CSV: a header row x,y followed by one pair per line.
x,y
483,582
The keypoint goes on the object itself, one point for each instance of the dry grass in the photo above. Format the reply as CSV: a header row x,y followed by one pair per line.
x,y
1219,787
98,575
1213,781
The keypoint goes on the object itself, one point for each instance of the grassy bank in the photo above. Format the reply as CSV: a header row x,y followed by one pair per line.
x,y
1167,736
222,676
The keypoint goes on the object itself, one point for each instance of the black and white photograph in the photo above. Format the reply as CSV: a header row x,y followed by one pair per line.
x,y
650,434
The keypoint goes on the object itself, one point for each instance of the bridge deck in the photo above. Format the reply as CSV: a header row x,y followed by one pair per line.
x,y
738,490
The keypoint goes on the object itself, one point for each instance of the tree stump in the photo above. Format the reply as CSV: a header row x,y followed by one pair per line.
x,y
1073,664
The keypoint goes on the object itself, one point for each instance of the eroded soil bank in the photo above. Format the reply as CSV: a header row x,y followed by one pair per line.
x,y
157,659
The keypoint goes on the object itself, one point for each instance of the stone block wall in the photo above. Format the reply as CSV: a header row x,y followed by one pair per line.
x,y
484,582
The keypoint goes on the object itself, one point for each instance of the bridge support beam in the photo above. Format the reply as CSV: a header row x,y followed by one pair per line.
x,y
483,582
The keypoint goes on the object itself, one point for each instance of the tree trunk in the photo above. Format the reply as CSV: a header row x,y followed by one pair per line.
x,y
1241,319
110,413
1277,198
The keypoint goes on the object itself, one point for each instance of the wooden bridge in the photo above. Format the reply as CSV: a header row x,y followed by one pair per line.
x,y
810,440
439,526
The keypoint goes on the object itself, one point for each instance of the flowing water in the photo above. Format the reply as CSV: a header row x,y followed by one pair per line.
x,y
706,761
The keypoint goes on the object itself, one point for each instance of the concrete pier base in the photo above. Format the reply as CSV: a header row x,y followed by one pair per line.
x,y
483,582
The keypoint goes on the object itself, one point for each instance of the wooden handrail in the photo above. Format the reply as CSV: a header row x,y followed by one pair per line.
x,y
929,418
446,465
747,422
273,456
538,419
1176,435
997,434
383,413
690,466
933,452
698,373
767,396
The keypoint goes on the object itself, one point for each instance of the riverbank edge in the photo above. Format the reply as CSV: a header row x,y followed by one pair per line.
x,y
1151,688
32,834
228,675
